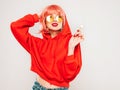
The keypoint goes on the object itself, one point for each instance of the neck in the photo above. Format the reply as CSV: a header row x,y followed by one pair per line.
x,y
54,32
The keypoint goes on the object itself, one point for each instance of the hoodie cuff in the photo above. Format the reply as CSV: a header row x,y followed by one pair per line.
x,y
69,59
36,18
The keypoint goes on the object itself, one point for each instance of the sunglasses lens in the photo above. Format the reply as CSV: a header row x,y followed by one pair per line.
x,y
59,18
49,19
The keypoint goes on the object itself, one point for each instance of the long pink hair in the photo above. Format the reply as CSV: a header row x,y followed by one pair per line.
x,y
49,10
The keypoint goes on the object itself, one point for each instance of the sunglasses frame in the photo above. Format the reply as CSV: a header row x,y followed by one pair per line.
x,y
51,18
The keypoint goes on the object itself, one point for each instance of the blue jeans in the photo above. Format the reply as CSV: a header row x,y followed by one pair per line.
x,y
37,86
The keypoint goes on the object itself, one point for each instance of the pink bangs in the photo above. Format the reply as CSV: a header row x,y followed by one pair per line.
x,y
53,9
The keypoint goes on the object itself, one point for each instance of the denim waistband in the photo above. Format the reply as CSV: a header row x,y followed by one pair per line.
x,y
37,86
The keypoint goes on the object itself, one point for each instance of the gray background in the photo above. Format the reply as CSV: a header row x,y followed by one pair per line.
x,y
100,50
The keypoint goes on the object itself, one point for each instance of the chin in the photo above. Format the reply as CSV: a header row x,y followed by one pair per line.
x,y
55,29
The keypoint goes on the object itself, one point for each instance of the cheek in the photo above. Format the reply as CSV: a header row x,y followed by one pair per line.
x,y
48,24
61,25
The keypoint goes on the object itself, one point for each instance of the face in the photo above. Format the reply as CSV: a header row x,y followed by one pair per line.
x,y
54,22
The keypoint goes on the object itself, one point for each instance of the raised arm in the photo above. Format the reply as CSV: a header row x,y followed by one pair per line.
x,y
20,29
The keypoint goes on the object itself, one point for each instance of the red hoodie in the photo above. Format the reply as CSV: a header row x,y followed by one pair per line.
x,y
49,55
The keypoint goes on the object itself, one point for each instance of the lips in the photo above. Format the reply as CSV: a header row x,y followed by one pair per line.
x,y
54,24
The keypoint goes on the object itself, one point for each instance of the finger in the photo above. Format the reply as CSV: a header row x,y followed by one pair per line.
x,y
77,40
78,34
80,37
78,30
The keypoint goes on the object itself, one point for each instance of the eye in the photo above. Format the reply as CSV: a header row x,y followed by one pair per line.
x,y
49,18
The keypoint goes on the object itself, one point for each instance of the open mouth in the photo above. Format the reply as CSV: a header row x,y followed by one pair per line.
x,y
54,24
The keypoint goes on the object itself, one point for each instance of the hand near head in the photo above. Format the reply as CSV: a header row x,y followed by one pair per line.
x,y
76,39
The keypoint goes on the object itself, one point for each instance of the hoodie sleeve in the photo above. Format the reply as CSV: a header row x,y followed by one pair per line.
x,y
72,65
20,29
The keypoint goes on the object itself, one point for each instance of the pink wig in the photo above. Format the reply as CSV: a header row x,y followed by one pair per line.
x,y
49,10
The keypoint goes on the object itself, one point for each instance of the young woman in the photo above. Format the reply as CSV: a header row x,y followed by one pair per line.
x,y
56,58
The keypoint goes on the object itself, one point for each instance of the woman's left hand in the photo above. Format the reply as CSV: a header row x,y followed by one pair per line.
x,y
76,39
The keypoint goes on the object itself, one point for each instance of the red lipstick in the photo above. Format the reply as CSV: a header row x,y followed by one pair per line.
x,y
54,24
